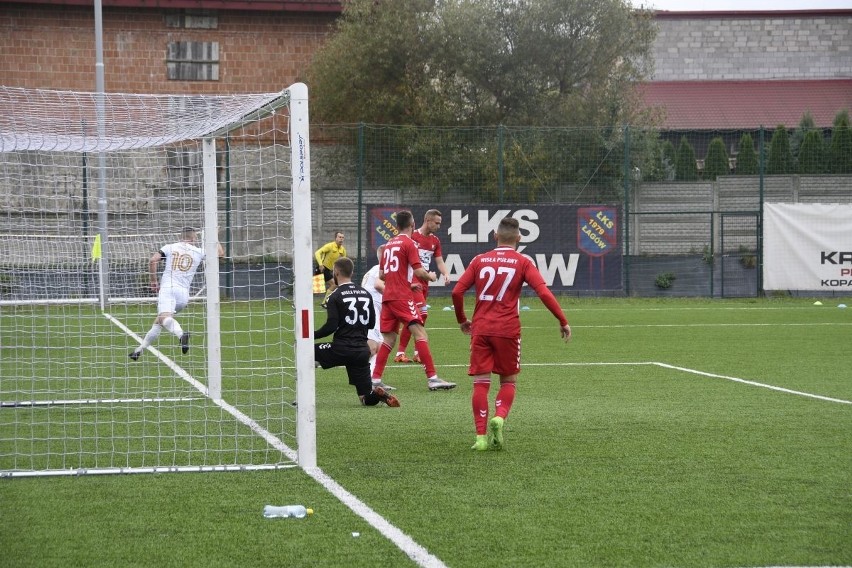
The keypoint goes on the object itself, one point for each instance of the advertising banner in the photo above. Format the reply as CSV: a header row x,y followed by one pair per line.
x,y
576,248
807,246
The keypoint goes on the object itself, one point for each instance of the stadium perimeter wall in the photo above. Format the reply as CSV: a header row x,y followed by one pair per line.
x,y
145,204
665,220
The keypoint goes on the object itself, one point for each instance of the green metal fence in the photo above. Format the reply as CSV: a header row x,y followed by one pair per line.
x,y
689,204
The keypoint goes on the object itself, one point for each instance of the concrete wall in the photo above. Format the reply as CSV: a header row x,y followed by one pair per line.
x,y
676,218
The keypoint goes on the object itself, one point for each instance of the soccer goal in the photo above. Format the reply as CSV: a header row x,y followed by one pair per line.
x,y
93,185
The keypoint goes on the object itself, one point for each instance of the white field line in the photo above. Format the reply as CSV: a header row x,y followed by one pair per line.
x,y
90,401
416,552
636,308
752,383
555,327
179,371
658,364
404,542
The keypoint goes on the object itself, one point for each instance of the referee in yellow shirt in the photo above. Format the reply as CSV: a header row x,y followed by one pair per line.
x,y
325,256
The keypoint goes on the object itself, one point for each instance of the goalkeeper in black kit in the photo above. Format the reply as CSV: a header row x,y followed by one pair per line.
x,y
351,315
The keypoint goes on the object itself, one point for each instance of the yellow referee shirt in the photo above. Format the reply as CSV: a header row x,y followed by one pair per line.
x,y
327,254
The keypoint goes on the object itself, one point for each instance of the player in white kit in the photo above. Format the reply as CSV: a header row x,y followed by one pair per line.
x,y
182,261
375,286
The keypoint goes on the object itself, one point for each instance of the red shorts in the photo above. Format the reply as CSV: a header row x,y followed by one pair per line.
x,y
420,299
490,354
395,312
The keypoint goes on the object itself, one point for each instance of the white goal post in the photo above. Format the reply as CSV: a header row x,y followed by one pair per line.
x,y
93,186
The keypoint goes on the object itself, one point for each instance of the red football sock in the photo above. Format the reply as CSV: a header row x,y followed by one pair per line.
x,y
416,353
505,398
422,347
479,401
381,360
404,337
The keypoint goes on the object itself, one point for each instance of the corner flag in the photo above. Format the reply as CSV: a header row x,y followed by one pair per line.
x,y
96,248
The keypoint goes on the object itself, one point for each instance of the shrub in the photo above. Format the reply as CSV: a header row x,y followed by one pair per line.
x,y
716,162
747,156
747,257
664,280
685,167
806,124
780,156
840,152
812,154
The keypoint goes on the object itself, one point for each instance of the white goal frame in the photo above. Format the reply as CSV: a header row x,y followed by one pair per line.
x,y
295,98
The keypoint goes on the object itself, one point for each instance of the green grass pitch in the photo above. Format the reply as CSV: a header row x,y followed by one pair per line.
x,y
651,439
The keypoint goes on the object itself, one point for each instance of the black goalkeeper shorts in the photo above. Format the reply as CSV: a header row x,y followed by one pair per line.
x,y
356,361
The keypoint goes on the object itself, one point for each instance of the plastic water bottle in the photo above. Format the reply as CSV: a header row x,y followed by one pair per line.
x,y
286,511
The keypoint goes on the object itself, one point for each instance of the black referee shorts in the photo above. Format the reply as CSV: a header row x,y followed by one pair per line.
x,y
356,361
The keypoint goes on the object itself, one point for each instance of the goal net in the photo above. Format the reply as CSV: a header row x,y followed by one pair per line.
x,y
93,185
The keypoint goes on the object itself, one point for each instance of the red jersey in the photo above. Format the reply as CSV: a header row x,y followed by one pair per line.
x,y
498,276
399,261
428,248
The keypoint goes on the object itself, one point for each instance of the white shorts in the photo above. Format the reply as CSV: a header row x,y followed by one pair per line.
x,y
172,299
375,335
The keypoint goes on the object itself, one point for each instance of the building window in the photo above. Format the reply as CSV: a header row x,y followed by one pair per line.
x,y
192,60
184,167
193,19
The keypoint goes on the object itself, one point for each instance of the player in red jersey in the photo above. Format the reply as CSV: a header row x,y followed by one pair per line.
x,y
399,266
429,247
495,344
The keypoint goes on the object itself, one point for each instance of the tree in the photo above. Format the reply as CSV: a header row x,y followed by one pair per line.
x,y
806,124
812,153
841,145
685,167
490,62
780,156
716,162
669,160
747,156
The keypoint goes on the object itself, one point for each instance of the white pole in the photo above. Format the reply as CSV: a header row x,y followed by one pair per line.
x,y
211,270
103,263
306,435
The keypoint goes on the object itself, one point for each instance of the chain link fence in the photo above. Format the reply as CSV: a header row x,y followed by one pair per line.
x,y
687,206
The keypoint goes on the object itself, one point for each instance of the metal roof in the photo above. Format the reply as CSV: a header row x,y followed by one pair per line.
x,y
699,105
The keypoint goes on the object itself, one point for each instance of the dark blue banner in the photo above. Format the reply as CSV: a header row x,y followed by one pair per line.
x,y
576,248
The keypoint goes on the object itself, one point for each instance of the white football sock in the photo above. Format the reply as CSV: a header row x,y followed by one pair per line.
x,y
150,337
173,326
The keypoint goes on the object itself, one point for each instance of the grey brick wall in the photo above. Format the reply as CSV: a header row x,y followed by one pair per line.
x,y
45,197
748,48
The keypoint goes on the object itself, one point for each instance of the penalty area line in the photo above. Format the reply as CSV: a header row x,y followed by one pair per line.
x,y
405,543
663,365
752,383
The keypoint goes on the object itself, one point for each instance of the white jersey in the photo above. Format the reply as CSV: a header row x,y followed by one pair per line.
x,y
368,282
182,261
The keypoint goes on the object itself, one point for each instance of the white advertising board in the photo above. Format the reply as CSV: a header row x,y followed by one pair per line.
x,y
807,246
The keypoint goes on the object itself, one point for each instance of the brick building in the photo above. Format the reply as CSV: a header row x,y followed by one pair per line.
x,y
162,46
769,66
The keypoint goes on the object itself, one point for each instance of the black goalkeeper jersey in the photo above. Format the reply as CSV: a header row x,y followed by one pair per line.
x,y
350,315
